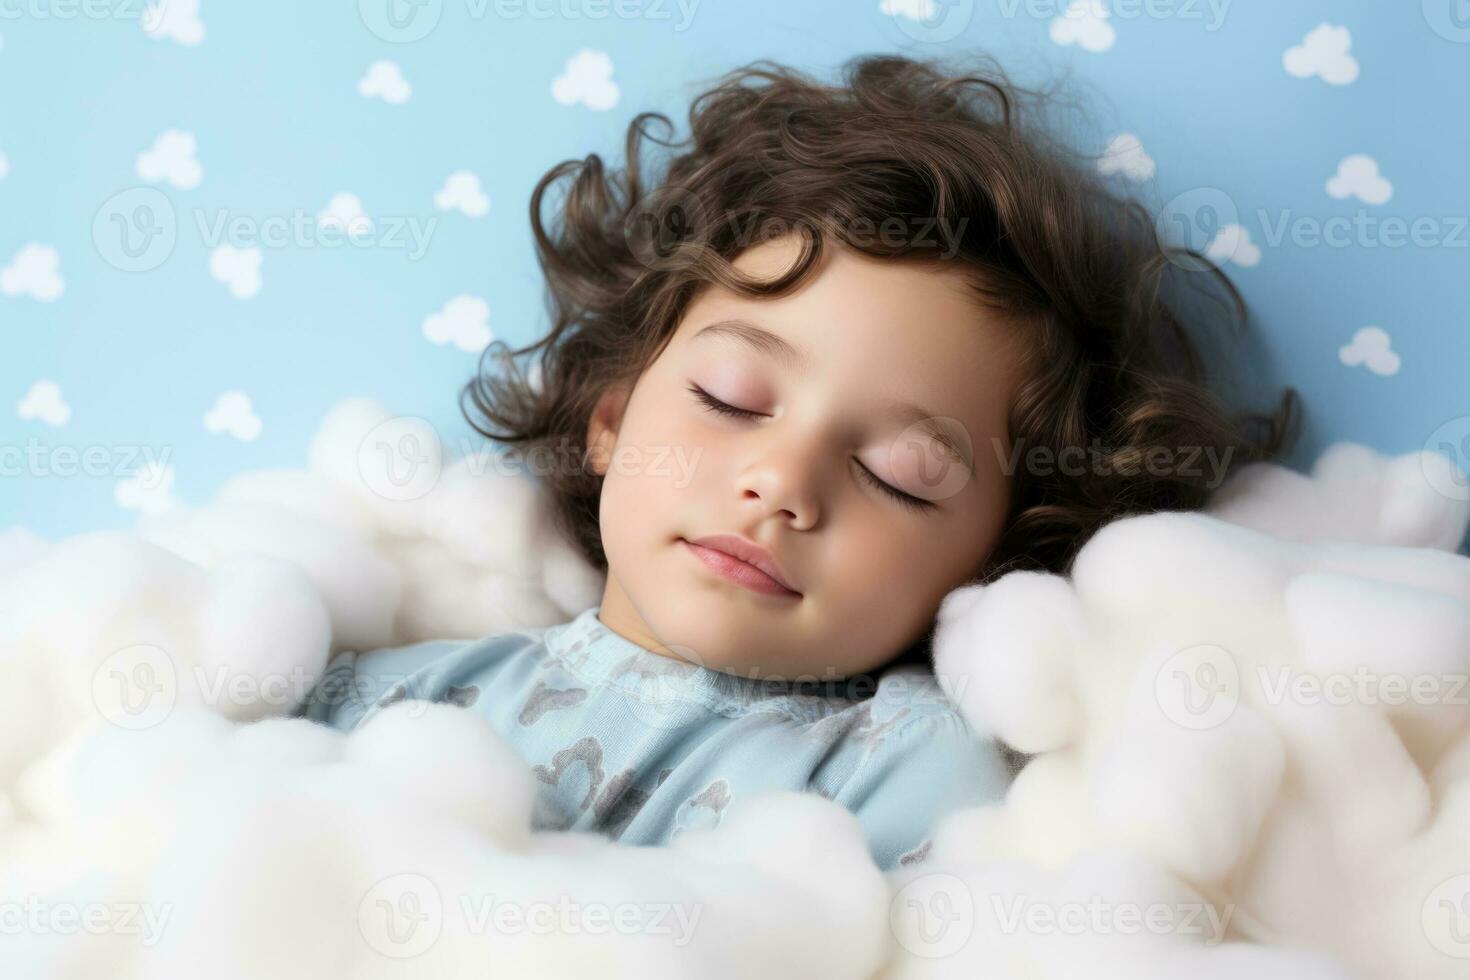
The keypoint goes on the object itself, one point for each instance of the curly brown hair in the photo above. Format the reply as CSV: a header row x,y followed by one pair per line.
x,y
1045,241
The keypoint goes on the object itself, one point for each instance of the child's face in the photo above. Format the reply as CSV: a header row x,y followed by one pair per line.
x,y
870,571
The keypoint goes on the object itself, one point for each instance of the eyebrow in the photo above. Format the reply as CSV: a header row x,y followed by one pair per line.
x,y
768,344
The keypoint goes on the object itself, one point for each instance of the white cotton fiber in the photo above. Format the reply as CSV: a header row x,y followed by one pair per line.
x,y
18,547
1354,495
1006,654
361,588
300,492
472,773
1179,691
1193,798
265,635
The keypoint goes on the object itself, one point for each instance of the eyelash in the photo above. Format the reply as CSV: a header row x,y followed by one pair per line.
x,y
721,408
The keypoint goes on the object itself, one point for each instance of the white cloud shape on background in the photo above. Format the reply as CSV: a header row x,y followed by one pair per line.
x,y
1125,155
1324,52
1373,348
176,20
463,322
912,9
462,192
1085,24
149,490
1358,176
587,78
35,272
172,160
234,413
1233,244
384,80
43,401
4,166
237,268
344,212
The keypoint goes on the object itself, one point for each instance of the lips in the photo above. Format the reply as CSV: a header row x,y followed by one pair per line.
x,y
743,562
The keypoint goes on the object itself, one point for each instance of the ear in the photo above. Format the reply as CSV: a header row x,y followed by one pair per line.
x,y
603,426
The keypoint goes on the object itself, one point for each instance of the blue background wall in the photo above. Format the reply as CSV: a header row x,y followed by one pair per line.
x,y
271,92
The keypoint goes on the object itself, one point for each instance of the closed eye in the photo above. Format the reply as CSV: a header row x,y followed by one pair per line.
x,y
713,404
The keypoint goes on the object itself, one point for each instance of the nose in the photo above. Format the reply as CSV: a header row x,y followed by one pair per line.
x,y
781,483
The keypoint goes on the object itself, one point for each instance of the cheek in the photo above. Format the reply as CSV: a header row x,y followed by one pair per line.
x,y
872,550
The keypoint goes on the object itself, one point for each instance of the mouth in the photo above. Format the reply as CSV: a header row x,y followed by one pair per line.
x,y
740,572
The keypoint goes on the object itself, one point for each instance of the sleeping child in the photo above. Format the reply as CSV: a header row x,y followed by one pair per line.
x,y
902,343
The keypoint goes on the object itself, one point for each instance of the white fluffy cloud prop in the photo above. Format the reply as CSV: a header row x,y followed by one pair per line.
x,y
1204,799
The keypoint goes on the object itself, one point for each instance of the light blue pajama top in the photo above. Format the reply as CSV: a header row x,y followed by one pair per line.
x,y
641,747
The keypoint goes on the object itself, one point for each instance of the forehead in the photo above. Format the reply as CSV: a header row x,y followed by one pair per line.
x,y
891,328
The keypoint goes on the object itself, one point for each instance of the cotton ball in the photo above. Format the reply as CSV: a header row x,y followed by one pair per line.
x,y
1268,498
445,597
265,636
389,462
80,593
1046,818
272,879
286,742
1296,886
303,493
800,836
178,530
569,580
1454,765
1355,770
1349,478
487,513
109,765
18,548
812,865
1230,961
1342,623
1192,789
361,589
1402,649
1177,567
450,761
30,717
1416,515
1005,654
1417,568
